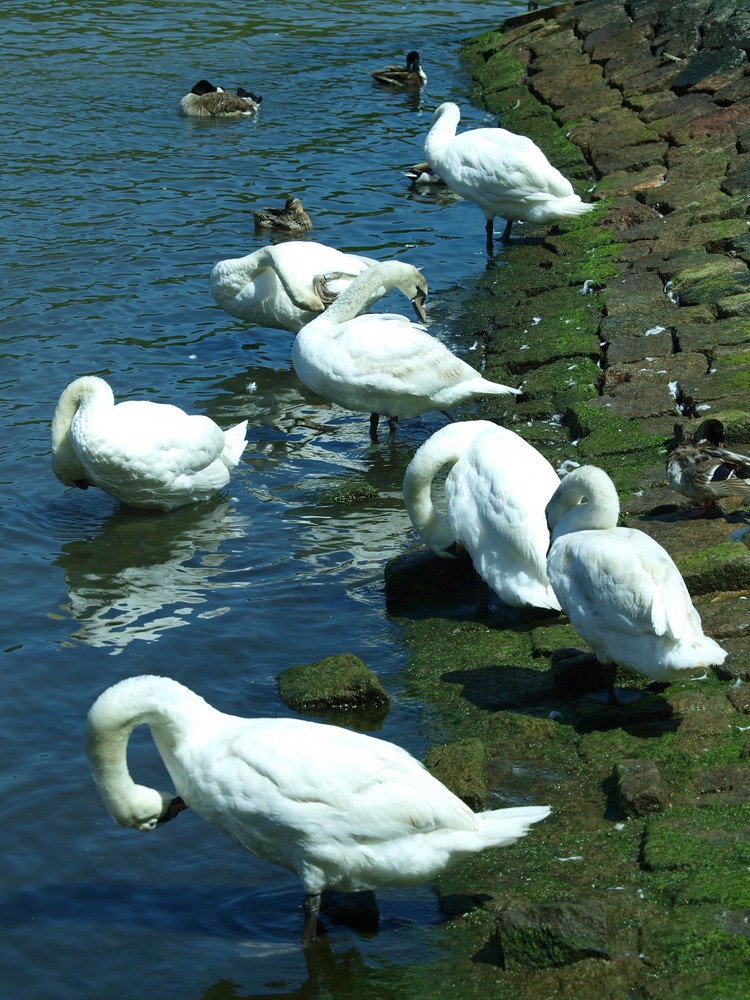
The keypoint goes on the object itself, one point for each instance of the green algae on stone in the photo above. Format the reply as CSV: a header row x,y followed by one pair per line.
x,y
462,767
335,682
717,567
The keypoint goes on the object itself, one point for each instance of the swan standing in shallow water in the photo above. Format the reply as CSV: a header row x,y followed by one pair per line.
x,y
702,469
285,286
343,810
381,363
503,173
207,101
150,455
620,588
495,495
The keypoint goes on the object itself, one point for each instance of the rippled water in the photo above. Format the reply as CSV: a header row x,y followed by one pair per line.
x,y
114,209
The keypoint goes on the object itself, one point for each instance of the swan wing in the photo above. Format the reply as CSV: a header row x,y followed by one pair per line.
x,y
362,787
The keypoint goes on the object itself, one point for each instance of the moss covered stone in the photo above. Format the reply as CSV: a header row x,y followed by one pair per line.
x,y
336,682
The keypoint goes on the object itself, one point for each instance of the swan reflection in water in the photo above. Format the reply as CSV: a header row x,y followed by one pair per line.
x,y
143,573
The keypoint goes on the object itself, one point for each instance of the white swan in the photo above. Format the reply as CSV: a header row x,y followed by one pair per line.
x,y
381,363
145,454
503,173
284,286
341,809
620,588
206,101
495,496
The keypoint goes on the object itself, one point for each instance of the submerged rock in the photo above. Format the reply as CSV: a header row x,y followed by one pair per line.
x,y
340,682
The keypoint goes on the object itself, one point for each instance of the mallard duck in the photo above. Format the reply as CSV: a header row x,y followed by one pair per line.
x,y
341,809
150,455
702,469
410,75
287,285
621,590
503,173
205,100
495,494
422,173
292,217
380,363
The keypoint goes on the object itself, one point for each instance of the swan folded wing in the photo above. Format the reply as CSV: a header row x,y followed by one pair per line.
x,y
628,583
375,789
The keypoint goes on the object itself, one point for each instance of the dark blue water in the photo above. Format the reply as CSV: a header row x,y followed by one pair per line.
x,y
114,210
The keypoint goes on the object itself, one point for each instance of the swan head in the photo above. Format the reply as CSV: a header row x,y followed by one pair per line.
x,y
144,809
415,289
586,499
447,108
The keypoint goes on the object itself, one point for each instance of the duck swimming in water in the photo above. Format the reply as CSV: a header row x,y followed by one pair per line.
x,y
291,218
410,75
205,100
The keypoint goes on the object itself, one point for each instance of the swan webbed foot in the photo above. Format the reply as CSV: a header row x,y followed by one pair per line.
x,y
320,287
311,909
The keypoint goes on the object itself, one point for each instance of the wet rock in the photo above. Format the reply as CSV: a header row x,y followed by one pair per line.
x,y
340,682
538,936
739,695
639,787
422,577
730,785
575,672
462,767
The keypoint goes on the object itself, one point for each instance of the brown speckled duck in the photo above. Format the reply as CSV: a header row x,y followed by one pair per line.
x,y
292,217
702,468
205,100
410,75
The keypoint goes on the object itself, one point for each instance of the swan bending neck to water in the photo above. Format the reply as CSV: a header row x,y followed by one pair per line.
x,y
284,286
341,809
150,455
620,588
495,495
503,173
380,363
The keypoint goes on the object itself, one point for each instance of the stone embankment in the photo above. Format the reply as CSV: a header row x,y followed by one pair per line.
x,y
619,326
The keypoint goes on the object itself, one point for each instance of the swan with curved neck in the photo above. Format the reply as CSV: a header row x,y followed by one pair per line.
x,y
150,455
620,588
341,809
284,286
495,495
503,173
380,363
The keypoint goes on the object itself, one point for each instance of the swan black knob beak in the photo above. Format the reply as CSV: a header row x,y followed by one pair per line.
x,y
175,806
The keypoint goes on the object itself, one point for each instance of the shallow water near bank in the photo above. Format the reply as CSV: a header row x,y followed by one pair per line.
x,y
115,209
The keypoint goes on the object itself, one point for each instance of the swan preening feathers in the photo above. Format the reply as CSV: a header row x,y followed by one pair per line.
x,y
341,809
381,363
503,173
206,101
495,495
620,588
145,454
287,285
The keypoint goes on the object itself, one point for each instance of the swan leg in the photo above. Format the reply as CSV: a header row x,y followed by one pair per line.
x,y
392,425
506,232
374,421
490,230
311,909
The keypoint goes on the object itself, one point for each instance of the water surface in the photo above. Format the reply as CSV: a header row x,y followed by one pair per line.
x,y
114,210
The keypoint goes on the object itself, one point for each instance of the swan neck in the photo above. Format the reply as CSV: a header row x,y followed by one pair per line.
x,y
374,282
161,705
588,502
